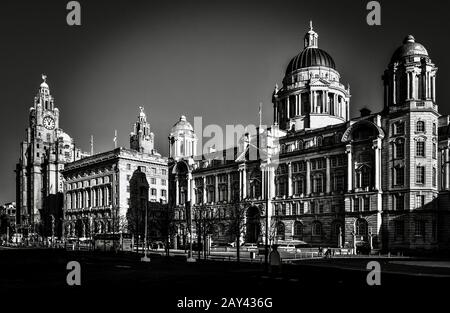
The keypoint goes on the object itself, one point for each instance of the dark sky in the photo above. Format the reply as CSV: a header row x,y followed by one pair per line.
x,y
215,59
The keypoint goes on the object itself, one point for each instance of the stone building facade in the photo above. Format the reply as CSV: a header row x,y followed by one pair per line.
x,y
380,180
97,189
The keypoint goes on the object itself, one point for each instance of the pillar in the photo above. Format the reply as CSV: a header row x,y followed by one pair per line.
x,y
289,179
229,187
308,177
190,189
328,175
447,168
377,147
216,188
177,191
204,189
349,167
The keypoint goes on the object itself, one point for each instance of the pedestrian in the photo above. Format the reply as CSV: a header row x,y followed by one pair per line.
x,y
274,260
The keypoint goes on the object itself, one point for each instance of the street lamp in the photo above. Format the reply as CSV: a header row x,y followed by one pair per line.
x,y
145,258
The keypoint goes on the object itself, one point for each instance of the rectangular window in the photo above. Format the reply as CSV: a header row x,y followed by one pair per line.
x,y
434,178
420,174
420,201
163,193
164,172
153,192
128,177
399,176
153,170
356,205
420,148
366,204
128,166
153,181
399,230
399,150
301,208
434,150
163,182
399,202
419,229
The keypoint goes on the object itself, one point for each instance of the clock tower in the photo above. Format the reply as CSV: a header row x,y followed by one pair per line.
x,y
43,153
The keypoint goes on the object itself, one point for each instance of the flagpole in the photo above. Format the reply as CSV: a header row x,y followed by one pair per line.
x,y
115,139
92,144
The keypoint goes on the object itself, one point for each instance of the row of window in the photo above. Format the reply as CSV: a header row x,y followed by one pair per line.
x,y
89,183
153,170
310,143
153,181
419,229
398,128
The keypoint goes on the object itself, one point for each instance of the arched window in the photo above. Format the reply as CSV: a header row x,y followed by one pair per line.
x,y
361,228
317,228
300,145
420,126
319,141
298,230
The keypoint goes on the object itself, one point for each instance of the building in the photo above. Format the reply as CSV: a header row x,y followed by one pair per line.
x,y
380,179
99,190
9,209
43,154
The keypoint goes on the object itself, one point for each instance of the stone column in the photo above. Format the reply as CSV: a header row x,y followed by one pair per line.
x,y
377,147
288,115
447,168
308,177
394,91
229,187
177,191
289,179
328,174
189,187
204,189
216,186
348,150
433,87
408,82
244,183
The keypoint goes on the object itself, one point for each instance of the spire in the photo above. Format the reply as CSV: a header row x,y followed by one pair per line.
x,y
311,38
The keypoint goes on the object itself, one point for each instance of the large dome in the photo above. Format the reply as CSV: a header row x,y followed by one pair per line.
x,y
182,124
409,48
310,57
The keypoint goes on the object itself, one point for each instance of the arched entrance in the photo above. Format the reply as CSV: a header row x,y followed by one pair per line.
x,y
253,226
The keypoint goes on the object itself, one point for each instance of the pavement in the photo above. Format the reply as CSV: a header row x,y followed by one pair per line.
x,y
122,277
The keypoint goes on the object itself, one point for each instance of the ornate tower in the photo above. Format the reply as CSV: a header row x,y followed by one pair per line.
x,y
311,95
183,141
141,139
411,149
43,154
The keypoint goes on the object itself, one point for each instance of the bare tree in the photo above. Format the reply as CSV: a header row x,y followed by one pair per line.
x,y
237,223
205,224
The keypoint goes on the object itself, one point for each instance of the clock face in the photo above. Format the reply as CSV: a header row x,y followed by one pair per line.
x,y
49,122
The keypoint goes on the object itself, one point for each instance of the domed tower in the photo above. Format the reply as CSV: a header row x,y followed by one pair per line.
x,y
411,148
312,95
410,79
182,140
